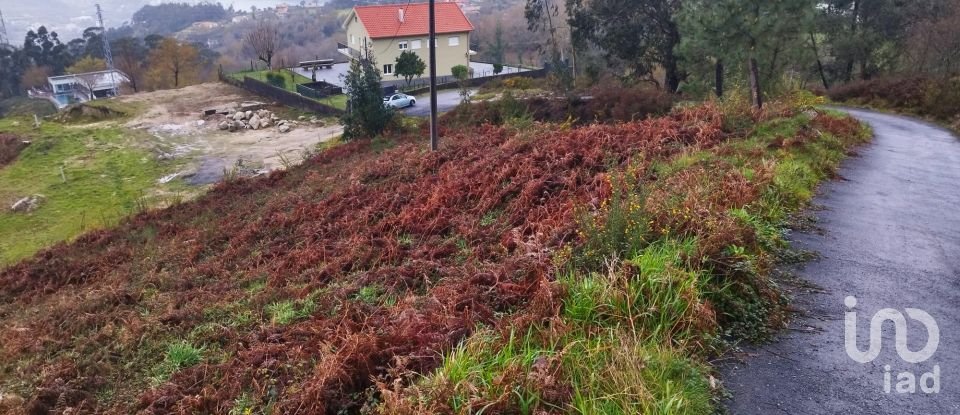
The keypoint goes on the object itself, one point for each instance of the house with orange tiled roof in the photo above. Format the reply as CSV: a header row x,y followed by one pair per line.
x,y
383,32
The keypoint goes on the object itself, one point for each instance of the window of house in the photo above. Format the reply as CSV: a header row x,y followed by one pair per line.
x,y
388,69
353,40
415,44
453,41
403,45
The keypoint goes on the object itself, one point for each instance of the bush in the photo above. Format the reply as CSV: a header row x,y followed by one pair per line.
x,y
277,80
934,97
609,103
903,93
942,99
520,82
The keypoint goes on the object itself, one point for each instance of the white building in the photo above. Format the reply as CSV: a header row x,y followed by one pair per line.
x,y
83,87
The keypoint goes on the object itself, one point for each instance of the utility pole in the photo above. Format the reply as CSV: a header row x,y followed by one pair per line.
x,y
107,54
434,139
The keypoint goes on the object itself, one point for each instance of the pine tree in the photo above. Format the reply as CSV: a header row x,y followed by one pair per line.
x,y
367,116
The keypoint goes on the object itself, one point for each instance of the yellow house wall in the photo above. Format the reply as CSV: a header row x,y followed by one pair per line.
x,y
386,51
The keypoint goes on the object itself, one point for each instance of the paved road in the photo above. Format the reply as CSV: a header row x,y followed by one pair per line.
x,y
447,100
890,237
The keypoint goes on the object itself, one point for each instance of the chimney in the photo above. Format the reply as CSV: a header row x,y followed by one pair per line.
x,y
400,14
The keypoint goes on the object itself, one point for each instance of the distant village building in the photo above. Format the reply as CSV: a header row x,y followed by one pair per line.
x,y
387,31
282,9
82,87
205,25
240,18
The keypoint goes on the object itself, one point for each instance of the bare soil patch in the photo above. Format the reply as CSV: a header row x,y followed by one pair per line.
x,y
175,118
10,148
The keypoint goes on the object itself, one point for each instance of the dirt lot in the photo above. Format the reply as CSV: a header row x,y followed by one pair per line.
x,y
174,118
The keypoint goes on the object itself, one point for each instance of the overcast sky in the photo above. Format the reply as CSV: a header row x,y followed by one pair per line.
x,y
69,17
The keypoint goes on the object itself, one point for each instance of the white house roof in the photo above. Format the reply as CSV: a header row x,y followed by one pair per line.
x,y
108,79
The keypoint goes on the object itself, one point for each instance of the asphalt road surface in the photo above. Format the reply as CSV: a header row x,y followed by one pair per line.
x,y
447,99
888,235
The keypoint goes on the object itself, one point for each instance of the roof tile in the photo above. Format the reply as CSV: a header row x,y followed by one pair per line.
x,y
384,21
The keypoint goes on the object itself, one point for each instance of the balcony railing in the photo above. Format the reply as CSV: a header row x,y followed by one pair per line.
x,y
348,51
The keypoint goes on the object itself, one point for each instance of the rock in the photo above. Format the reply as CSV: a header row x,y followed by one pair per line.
x,y
239,125
248,114
200,123
302,117
239,116
224,125
284,128
255,122
264,123
812,114
28,204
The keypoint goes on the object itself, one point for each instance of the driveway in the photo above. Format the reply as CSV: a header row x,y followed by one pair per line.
x,y
447,100
890,238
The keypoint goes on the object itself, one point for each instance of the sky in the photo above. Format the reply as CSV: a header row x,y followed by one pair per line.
x,y
70,17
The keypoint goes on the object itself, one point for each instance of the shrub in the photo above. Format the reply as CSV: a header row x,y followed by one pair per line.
x,y
934,97
942,99
276,79
520,82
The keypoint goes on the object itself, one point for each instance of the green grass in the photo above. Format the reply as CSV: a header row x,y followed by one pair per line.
x,y
617,350
109,174
288,311
336,101
261,75
179,355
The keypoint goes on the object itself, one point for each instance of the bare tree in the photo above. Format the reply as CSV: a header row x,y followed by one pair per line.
x,y
263,41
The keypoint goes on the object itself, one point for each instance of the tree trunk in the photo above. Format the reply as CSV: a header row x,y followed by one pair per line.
x,y
719,78
816,53
672,78
671,62
176,78
854,23
756,93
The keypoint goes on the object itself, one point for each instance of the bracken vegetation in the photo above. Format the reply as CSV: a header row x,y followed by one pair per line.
x,y
524,268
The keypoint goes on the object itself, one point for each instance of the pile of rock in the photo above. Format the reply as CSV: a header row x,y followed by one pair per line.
x,y
254,120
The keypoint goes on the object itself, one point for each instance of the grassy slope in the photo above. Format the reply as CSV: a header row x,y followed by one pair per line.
x,y
108,174
23,106
633,335
288,293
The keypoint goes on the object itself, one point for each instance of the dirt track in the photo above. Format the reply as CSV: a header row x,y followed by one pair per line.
x,y
173,117
890,238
